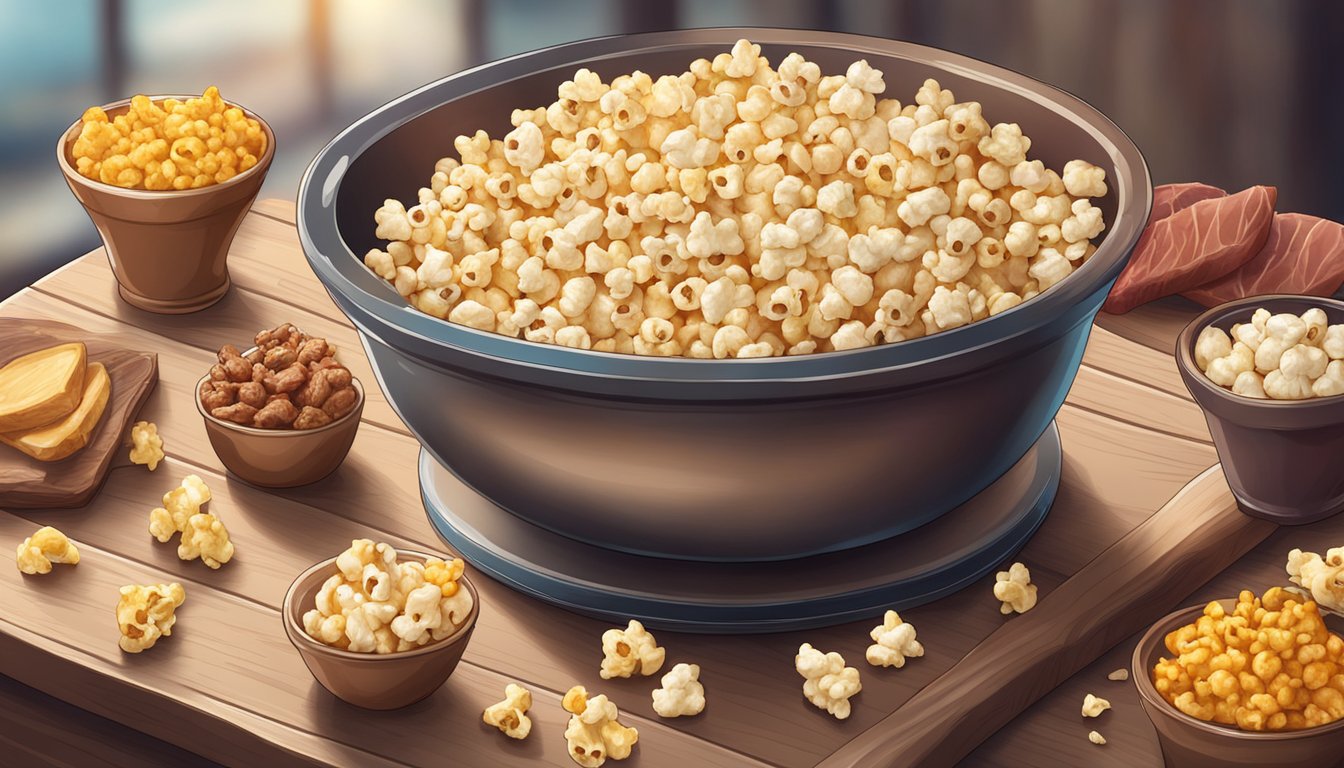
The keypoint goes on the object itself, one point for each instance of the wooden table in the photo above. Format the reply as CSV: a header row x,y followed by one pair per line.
x,y
228,687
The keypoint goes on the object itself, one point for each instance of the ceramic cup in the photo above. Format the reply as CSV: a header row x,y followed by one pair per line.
x,y
371,680
168,248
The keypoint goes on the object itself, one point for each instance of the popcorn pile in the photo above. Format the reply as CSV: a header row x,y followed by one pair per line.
x,y
1281,357
171,145
1268,665
378,604
738,211
203,535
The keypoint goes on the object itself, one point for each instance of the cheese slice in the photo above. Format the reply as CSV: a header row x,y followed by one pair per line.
x,y
41,387
59,439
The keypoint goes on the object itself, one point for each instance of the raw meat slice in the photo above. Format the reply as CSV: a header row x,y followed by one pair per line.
x,y
1304,254
1192,247
1170,198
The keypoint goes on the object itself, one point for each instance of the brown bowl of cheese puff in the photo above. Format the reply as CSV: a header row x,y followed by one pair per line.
x,y
167,180
282,413
378,628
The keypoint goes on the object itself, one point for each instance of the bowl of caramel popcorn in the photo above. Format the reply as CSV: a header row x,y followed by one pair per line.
x,y
1253,681
282,413
381,628
726,293
167,180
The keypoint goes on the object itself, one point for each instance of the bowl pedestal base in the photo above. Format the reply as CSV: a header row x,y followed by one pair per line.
x,y
955,550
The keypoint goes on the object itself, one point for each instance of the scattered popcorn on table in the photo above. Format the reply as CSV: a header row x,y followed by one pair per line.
x,y
593,733
1280,357
1094,706
376,603
170,144
681,693
828,683
1322,579
146,445
1119,675
179,505
146,613
1096,738
630,650
205,537
37,552
510,715
893,642
1270,664
1015,589
813,205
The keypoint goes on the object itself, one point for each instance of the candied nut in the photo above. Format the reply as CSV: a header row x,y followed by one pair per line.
x,y
252,393
341,402
217,373
339,378
316,391
276,414
279,357
311,418
213,395
259,372
326,362
255,356
274,337
238,413
235,367
282,396
312,351
287,380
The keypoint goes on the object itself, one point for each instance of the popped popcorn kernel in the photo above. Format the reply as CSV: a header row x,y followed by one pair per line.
x,y
38,552
146,445
147,613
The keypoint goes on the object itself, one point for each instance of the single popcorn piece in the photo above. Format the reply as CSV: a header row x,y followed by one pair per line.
x,y
827,682
38,552
681,694
692,197
147,613
204,536
179,505
1096,738
1119,675
510,715
1094,706
893,642
594,733
146,445
630,650
1015,589
1322,578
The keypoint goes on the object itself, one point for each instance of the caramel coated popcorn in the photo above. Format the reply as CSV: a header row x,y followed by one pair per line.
x,y
1268,665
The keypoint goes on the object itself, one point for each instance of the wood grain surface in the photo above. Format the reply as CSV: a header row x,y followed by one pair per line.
x,y
26,482
1132,439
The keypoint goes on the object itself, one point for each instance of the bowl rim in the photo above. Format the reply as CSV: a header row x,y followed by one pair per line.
x,y
291,432
1139,672
68,136
324,247
299,637
1198,380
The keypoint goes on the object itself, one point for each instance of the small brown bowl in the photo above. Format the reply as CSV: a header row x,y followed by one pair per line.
x,y
1191,743
370,680
281,458
168,248
1281,457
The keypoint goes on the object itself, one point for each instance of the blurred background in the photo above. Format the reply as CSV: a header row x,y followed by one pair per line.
x,y
1231,92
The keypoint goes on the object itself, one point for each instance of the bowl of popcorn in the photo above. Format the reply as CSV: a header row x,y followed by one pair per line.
x,y
381,628
282,413
1254,681
167,180
1269,373
704,297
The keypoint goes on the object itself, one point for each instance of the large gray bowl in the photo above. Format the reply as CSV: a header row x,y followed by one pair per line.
x,y
715,459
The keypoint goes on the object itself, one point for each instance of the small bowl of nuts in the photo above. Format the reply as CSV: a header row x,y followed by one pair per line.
x,y
1254,703
283,413
1269,373
381,628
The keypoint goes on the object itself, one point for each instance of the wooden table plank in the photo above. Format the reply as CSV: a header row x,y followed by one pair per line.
x,y
1116,473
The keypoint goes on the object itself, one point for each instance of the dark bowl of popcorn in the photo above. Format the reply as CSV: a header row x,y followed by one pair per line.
x,y
282,413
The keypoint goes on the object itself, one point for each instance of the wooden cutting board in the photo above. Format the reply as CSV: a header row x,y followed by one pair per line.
x,y
27,483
